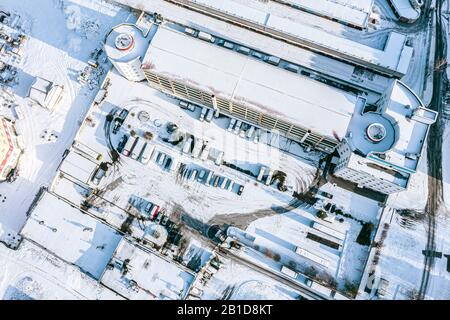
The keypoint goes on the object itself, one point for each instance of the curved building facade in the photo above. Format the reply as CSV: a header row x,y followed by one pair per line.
x,y
125,46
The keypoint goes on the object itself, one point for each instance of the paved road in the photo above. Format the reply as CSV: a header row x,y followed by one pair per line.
x,y
434,153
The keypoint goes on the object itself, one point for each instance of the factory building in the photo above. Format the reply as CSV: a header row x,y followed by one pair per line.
x,y
383,145
376,146
125,46
246,88
9,149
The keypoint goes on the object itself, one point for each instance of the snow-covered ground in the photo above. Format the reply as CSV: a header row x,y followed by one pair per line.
x,y
61,35
288,231
33,273
235,281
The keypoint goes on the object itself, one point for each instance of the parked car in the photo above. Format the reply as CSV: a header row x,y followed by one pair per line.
x,y
122,143
99,174
231,125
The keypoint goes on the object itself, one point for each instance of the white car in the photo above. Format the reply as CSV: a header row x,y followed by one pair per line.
x,y
231,125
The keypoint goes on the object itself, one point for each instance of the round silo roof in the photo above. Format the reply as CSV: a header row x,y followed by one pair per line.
x,y
124,43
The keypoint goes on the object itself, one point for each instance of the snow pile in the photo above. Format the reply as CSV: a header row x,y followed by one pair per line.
x,y
82,24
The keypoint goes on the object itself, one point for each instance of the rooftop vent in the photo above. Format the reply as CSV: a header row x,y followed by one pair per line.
x,y
124,42
376,132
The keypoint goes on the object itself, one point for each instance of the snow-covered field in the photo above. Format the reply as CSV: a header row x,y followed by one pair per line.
x,y
33,273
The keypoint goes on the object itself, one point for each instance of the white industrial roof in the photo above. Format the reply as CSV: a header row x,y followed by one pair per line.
x,y
71,235
245,80
39,90
395,56
137,49
355,12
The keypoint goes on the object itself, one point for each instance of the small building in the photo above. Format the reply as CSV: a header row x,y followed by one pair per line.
x,y
136,273
9,149
406,10
47,94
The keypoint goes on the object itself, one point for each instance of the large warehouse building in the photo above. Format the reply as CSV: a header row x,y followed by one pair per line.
x,y
9,149
246,88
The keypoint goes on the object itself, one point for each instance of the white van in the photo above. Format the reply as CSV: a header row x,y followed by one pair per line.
x,y
129,146
261,173
147,153
210,115
250,132
237,127
202,115
137,150
187,146
231,125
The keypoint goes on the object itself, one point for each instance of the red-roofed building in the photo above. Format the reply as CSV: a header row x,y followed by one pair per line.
x,y
9,149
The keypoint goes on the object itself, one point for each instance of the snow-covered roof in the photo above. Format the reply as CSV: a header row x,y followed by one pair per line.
x,y
155,277
395,56
247,81
353,12
405,10
75,237
39,90
78,166
46,93
124,43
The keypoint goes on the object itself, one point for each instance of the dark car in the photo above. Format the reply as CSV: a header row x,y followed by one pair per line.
x,y
241,188
122,143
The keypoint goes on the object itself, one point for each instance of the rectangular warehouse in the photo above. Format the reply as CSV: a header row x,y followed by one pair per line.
x,y
392,60
299,107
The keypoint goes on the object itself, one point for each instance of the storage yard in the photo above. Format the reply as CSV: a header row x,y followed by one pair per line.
x,y
231,150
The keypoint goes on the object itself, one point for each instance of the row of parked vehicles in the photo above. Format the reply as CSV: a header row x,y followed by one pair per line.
x,y
244,130
138,149
209,178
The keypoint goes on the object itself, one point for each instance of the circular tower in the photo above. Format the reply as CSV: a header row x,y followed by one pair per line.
x,y
125,46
